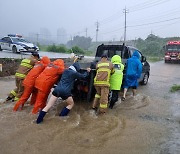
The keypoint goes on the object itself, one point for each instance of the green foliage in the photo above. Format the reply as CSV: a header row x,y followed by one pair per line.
x,y
80,41
175,88
63,49
153,45
52,48
152,48
59,49
154,59
42,47
77,50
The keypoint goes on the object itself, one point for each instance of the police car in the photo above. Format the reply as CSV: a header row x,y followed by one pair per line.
x,y
17,44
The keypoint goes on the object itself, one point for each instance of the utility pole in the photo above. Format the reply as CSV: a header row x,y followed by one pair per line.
x,y
125,11
86,32
71,41
135,42
37,38
97,29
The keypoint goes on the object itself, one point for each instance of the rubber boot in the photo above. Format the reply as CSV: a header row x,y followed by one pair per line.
x,y
111,104
64,112
40,117
94,108
8,98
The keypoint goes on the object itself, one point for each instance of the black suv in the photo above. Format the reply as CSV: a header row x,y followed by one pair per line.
x,y
125,52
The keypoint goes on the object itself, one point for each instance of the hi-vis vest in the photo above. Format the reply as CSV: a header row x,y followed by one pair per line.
x,y
24,68
116,77
103,74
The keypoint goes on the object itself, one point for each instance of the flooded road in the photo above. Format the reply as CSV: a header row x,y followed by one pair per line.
x,y
147,123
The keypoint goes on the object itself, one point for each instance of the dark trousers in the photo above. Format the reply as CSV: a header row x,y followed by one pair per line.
x,y
114,98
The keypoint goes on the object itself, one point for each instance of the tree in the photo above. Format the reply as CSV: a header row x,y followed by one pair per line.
x,y
152,37
80,41
153,48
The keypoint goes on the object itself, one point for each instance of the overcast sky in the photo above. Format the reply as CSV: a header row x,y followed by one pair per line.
x,y
160,17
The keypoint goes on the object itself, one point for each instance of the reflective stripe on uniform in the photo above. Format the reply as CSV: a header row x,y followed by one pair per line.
x,y
103,106
26,63
16,99
102,83
20,75
97,96
103,64
13,93
105,82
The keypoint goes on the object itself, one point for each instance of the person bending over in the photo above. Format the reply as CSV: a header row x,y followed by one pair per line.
x,y
63,90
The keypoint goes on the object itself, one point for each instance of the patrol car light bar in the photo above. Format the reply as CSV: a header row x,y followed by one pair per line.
x,y
14,35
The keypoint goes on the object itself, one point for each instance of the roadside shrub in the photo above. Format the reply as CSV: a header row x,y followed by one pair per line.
x,y
52,48
77,50
154,59
175,88
62,49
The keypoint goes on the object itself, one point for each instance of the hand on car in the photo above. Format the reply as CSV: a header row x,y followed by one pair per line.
x,y
88,69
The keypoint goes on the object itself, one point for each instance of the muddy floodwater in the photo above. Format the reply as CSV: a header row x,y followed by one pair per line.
x,y
148,123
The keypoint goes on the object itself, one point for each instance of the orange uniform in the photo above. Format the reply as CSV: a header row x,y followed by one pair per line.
x,y
29,82
45,82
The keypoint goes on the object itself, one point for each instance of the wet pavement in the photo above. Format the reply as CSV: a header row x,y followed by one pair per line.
x,y
146,123
10,54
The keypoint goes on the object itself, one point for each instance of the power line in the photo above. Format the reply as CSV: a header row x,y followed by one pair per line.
x,y
151,4
164,14
138,7
133,26
154,22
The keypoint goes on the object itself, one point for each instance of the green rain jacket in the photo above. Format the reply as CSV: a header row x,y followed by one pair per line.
x,y
117,76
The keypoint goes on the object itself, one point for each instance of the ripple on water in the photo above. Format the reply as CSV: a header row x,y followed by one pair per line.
x,y
136,102
87,130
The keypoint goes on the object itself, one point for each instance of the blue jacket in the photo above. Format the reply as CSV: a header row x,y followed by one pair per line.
x,y
66,83
134,66
133,71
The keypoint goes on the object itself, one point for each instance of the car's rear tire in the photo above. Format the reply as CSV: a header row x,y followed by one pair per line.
x,y
145,79
0,48
14,49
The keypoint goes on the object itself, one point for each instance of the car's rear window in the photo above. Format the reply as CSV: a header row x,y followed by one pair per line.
x,y
110,50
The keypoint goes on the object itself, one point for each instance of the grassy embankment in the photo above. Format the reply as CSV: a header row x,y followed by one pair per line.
x,y
64,49
77,50
175,88
154,59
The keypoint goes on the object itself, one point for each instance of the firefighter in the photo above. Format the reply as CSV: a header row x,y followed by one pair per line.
x,y
101,82
63,90
45,82
25,66
29,82
116,79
